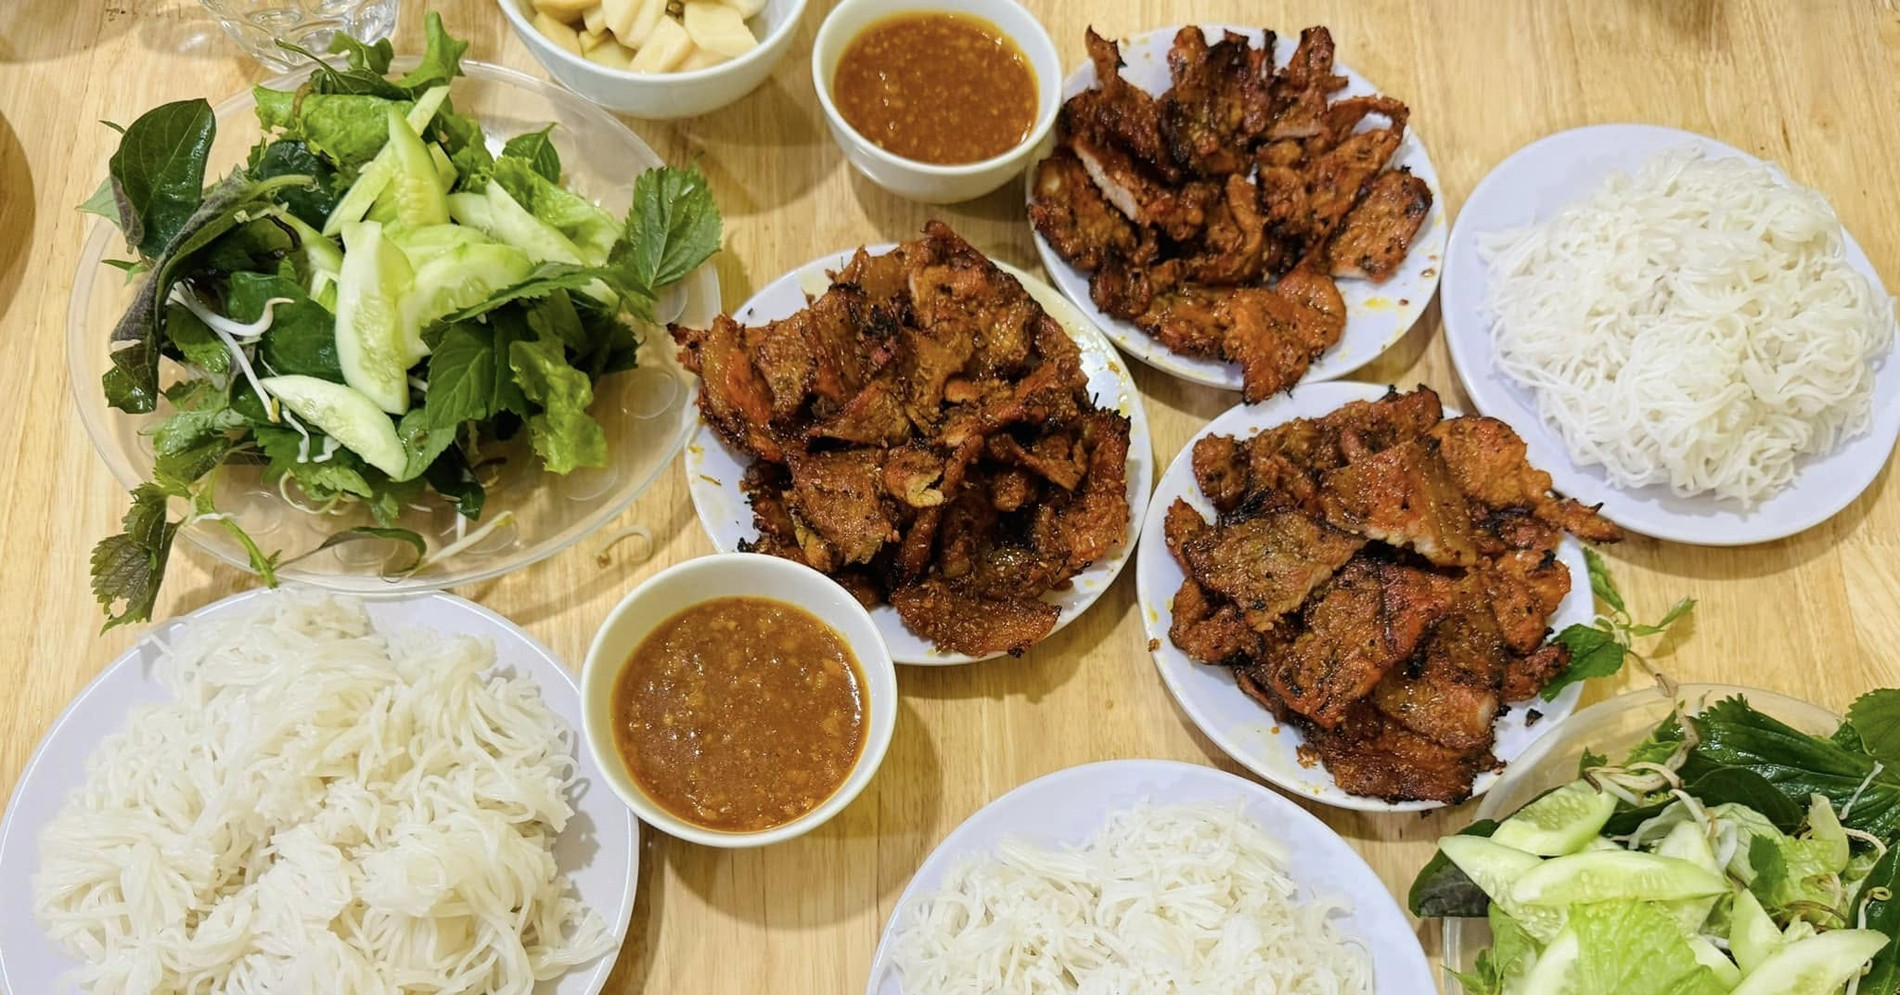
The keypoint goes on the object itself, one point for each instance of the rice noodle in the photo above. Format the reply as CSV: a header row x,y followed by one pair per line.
x,y
1164,900
321,808
1696,326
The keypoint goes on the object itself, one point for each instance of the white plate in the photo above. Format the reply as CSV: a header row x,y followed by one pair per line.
x,y
1207,693
598,851
1068,806
1377,314
713,468
1534,183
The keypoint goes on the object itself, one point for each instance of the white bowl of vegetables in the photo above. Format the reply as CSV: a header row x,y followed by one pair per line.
x,y
410,340
1620,856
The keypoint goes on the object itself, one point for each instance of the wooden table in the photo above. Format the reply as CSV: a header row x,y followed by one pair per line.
x,y
1811,85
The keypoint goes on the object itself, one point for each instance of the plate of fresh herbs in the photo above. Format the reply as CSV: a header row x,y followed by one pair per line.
x,y
407,340
1684,840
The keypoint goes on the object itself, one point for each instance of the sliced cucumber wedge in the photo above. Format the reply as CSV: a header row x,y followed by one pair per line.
x,y
423,244
414,191
1601,876
376,175
1819,965
1687,841
511,223
1561,822
1752,936
345,415
466,274
1551,973
1493,868
377,338
1715,960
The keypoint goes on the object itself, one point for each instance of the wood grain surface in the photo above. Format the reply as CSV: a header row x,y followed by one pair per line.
x,y
1807,83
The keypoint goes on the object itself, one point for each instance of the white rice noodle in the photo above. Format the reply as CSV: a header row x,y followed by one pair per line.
x,y
1695,326
322,808
1164,900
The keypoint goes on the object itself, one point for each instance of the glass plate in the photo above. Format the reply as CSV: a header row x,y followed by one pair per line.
x,y
646,412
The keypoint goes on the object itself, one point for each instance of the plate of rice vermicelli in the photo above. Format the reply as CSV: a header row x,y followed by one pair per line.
x,y
293,792
1682,333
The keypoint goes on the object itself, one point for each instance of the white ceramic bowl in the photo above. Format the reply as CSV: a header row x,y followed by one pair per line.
x,y
754,575
665,95
923,181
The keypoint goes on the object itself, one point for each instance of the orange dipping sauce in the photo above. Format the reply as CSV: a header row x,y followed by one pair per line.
x,y
937,88
740,714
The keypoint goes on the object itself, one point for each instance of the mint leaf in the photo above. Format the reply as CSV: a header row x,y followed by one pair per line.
x,y
158,172
1593,653
462,373
423,440
563,434
673,227
1875,718
342,473
127,568
537,149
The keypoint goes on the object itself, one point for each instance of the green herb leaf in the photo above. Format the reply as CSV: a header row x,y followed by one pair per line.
x,y
195,341
1883,914
301,338
132,384
1733,734
366,532
454,479
462,374
423,440
547,278
441,58
1600,583
1593,653
342,473
127,568
673,227
1590,759
158,172
1875,718
1442,890
563,434
374,58
537,149
311,204
462,139
104,204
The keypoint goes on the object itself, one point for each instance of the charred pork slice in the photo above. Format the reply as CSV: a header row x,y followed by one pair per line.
x,y
1370,616
1403,496
1371,754
1079,223
1448,693
976,626
1268,564
1377,233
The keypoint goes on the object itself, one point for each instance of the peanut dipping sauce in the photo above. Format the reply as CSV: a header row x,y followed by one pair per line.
x,y
740,714
937,88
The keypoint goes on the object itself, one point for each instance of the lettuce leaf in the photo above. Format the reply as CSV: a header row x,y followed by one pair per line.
x,y
564,435
1635,948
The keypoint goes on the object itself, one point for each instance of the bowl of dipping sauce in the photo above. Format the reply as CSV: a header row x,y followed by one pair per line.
x,y
738,700
939,100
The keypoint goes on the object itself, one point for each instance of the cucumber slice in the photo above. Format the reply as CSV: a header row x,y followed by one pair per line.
x,y
1603,876
321,259
1561,822
1493,867
377,338
345,415
376,174
466,274
1752,936
1715,960
511,223
414,190
1819,965
471,211
425,243
1686,841
1551,972
444,168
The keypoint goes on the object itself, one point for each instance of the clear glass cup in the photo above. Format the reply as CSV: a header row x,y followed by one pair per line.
x,y
258,25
